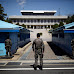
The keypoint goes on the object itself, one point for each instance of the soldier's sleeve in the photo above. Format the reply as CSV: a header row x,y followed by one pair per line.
x,y
43,46
33,45
10,43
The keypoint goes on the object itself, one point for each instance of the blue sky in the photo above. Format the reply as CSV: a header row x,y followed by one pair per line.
x,y
13,7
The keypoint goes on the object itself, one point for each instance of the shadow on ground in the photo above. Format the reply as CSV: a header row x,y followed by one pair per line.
x,y
22,45
57,50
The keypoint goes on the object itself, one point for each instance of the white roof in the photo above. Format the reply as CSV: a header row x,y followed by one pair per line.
x,y
39,11
38,17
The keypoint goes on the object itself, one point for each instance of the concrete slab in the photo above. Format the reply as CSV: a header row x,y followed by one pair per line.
x,y
13,63
48,54
45,35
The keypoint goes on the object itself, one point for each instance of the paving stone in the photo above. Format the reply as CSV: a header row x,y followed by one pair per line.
x,y
48,54
13,63
2,63
26,54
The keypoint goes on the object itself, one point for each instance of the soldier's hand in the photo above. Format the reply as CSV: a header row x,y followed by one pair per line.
x,y
43,51
34,51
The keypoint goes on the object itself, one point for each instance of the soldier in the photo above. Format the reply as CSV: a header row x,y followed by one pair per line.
x,y
8,45
38,48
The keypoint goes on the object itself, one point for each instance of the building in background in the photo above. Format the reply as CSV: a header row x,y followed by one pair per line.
x,y
38,19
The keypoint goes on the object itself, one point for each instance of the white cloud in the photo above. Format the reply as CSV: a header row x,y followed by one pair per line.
x,y
21,2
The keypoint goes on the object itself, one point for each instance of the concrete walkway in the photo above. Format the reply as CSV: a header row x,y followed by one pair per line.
x,y
25,56
45,35
48,54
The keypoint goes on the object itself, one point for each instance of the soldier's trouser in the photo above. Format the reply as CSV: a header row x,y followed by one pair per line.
x,y
36,59
8,49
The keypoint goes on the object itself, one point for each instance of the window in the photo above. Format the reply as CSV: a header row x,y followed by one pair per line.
x,y
52,20
38,20
58,20
45,26
28,20
17,20
44,20
28,26
21,21
49,20
24,21
34,20
31,21
14,20
41,21
32,26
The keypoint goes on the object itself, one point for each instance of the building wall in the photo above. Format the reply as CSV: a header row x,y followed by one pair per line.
x,y
30,20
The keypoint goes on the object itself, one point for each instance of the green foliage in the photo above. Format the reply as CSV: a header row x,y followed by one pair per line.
x,y
70,19
55,26
61,24
23,25
17,23
2,14
8,20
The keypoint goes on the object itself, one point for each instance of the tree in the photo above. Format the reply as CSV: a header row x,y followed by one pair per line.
x,y
61,24
23,25
55,26
2,14
17,23
70,19
8,20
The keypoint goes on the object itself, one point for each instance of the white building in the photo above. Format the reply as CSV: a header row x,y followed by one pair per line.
x,y
37,19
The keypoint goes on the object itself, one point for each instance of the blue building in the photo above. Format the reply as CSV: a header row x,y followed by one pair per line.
x,y
18,35
63,36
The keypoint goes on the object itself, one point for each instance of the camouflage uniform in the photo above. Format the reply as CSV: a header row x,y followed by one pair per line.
x,y
72,45
38,48
8,45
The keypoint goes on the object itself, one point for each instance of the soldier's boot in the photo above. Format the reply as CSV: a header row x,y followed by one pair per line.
x,y
10,53
35,66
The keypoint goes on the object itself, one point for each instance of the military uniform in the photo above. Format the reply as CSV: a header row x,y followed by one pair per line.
x,y
8,45
38,48
72,45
